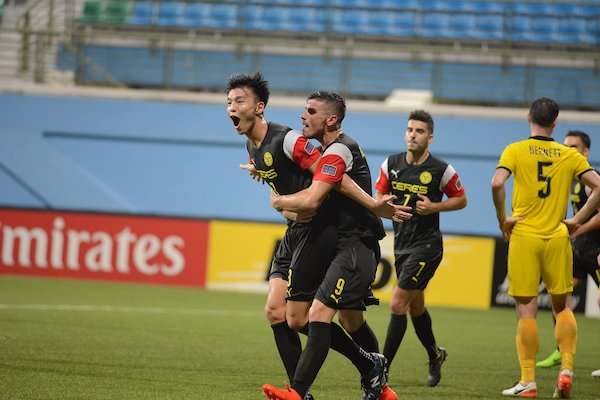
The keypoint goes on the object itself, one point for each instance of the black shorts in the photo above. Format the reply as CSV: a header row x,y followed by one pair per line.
x,y
302,258
415,270
586,263
347,284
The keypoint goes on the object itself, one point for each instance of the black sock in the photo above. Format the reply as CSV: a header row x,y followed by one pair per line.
x,y
313,356
395,334
288,345
554,324
365,338
343,344
422,324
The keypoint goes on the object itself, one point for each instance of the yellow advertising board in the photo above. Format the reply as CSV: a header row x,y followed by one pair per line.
x,y
463,279
240,254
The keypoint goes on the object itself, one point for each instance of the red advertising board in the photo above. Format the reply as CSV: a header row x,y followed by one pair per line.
x,y
103,246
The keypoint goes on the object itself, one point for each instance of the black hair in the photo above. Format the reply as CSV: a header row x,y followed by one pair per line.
x,y
585,138
543,112
256,82
335,100
423,116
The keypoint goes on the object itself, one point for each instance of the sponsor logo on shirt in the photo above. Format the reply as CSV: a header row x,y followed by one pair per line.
x,y
425,177
268,158
329,169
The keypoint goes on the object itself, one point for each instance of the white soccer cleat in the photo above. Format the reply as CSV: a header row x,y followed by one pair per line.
x,y
528,390
596,373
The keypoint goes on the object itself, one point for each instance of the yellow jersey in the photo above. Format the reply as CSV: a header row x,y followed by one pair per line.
x,y
543,171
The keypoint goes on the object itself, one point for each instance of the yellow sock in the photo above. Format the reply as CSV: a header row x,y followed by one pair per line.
x,y
566,336
527,347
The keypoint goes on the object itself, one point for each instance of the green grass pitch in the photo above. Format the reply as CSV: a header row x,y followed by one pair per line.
x,y
67,339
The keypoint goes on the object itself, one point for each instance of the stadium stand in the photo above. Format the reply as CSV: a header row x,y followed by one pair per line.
x,y
564,23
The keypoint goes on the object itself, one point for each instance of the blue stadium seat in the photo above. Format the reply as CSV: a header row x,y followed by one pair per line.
x,y
544,24
571,26
276,14
487,7
306,19
170,13
349,21
197,10
586,10
529,8
461,22
560,9
350,3
434,22
401,4
224,11
434,5
142,13
489,22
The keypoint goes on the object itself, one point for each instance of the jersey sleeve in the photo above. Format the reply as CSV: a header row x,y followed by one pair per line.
x,y
450,183
508,159
300,150
334,162
382,185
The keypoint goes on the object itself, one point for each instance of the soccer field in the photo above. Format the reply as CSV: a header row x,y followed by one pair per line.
x,y
67,339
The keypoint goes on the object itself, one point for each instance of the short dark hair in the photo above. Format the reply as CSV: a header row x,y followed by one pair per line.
x,y
256,82
423,116
333,99
585,138
543,112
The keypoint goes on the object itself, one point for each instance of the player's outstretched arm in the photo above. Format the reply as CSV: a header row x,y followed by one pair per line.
x,y
381,206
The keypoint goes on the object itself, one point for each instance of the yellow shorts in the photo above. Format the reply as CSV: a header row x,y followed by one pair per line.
x,y
531,258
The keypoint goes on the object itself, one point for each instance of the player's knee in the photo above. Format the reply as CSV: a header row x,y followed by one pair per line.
x,y
318,312
275,313
297,322
416,309
399,306
351,322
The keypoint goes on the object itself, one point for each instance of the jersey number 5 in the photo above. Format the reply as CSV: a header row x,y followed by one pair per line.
x,y
544,192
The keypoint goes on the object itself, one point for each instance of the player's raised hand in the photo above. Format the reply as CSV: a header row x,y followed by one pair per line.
x,y
252,171
425,206
507,226
572,226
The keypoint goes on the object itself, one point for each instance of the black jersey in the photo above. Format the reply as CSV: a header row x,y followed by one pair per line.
x,y
433,178
282,160
591,240
344,155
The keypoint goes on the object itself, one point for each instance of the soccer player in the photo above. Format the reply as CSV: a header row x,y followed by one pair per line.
x,y
352,270
283,158
418,180
539,244
586,243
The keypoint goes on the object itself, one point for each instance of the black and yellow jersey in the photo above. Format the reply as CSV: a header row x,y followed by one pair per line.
x,y
432,178
543,171
579,196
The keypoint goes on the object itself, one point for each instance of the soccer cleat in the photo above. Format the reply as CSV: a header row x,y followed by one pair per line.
x,y
372,384
564,384
596,373
274,393
528,390
551,361
387,393
308,396
435,367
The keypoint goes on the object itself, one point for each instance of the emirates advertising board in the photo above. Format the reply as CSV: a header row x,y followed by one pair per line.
x,y
103,246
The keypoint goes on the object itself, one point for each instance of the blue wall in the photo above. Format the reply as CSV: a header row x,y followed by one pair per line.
x,y
156,157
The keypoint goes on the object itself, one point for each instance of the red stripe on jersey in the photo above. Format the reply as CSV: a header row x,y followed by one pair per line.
x,y
305,153
383,182
331,169
454,188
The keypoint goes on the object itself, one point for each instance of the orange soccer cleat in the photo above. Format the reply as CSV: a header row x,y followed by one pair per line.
x,y
388,394
274,393
564,384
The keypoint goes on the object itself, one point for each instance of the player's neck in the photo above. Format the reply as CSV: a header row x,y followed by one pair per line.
x,y
258,132
537,130
330,136
414,158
